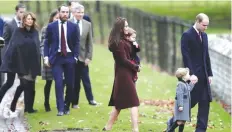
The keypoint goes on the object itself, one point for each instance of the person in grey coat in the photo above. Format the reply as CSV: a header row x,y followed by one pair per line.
x,y
84,58
46,72
182,107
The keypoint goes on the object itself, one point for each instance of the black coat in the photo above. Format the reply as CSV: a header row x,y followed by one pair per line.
x,y
196,57
23,53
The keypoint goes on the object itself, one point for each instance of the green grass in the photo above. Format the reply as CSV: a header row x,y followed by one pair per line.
x,y
151,85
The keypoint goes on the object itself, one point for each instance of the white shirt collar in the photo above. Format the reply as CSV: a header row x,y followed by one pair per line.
x,y
194,26
80,21
17,21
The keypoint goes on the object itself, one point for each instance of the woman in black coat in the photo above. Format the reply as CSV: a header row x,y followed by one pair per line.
x,y
23,57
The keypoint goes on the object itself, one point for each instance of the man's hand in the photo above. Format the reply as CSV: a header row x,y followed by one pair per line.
x,y
193,79
87,61
180,108
46,61
210,79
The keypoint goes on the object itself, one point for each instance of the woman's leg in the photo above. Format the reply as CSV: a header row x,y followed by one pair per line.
x,y
134,119
113,117
47,89
30,93
18,92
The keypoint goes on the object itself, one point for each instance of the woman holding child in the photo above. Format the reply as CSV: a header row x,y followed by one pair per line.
x,y
124,93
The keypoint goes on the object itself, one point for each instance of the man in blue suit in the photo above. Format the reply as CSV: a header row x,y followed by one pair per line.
x,y
61,48
194,49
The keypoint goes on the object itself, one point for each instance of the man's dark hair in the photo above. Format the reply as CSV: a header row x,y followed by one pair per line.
x,y
69,2
20,5
61,6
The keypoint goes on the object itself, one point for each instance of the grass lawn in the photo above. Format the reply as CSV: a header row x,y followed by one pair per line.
x,y
151,85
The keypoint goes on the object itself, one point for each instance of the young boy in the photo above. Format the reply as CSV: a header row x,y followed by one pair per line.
x,y
131,37
182,107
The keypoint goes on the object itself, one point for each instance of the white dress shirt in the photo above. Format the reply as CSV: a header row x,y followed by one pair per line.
x,y
65,35
18,22
194,26
80,25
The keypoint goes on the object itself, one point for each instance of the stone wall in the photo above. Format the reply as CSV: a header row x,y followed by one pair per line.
x,y
220,54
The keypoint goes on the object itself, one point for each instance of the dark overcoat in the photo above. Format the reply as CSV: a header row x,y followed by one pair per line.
x,y
22,55
196,57
124,94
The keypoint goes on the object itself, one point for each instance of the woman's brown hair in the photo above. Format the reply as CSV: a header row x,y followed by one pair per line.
x,y
117,32
52,15
25,15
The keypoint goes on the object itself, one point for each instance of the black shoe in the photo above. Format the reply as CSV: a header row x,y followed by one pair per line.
x,y
104,129
32,111
92,102
47,107
169,125
67,112
60,113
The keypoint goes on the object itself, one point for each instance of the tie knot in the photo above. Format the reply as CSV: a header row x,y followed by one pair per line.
x,y
78,21
62,22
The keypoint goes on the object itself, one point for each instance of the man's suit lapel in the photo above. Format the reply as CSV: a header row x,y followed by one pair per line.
x,y
56,25
15,25
196,36
83,27
204,42
68,31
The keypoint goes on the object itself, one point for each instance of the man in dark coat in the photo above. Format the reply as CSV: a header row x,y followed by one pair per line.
x,y
8,30
194,49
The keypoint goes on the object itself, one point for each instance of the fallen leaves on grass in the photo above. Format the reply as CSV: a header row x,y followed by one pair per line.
x,y
43,123
163,105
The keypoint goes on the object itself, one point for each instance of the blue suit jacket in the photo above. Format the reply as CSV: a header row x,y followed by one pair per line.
x,y
196,56
1,26
51,43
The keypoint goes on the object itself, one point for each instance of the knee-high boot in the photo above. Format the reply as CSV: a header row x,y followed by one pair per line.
x,y
173,127
181,128
31,96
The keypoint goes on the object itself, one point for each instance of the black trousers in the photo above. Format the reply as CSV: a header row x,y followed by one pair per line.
x,y
29,95
9,83
81,73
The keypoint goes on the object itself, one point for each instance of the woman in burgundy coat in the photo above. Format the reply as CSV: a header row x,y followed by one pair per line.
x,y
124,93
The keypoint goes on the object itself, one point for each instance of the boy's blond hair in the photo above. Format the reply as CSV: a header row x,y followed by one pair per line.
x,y
131,31
181,72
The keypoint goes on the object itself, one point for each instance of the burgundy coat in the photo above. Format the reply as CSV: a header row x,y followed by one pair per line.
x,y
124,93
